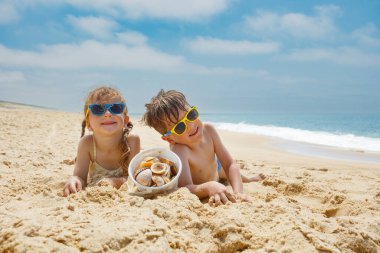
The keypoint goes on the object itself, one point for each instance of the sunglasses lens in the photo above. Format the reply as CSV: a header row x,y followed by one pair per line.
x,y
192,115
97,109
180,128
117,108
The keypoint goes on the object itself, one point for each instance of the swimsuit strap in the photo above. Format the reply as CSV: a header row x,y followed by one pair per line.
x,y
93,142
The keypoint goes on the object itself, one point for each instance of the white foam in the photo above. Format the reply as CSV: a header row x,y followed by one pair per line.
x,y
347,141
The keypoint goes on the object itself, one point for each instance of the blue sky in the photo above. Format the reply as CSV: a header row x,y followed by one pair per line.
x,y
225,55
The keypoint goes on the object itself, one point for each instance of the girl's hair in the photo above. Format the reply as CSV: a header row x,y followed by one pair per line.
x,y
164,107
101,95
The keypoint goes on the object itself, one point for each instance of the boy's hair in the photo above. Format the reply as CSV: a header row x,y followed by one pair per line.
x,y
165,106
101,95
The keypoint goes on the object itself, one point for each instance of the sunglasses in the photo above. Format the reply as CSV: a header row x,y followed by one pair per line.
x,y
181,126
100,109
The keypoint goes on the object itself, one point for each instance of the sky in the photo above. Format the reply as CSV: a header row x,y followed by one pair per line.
x,y
224,55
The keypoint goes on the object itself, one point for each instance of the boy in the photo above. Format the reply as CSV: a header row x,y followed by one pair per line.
x,y
198,146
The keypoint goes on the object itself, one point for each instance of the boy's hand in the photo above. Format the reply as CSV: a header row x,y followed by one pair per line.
x,y
219,194
73,185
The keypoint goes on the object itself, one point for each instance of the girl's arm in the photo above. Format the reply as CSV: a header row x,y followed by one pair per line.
x,y
134,144
79,178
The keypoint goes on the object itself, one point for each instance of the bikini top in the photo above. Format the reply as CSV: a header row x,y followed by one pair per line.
x,y
96,172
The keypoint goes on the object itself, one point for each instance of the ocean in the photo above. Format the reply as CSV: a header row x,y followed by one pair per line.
x,y
352,131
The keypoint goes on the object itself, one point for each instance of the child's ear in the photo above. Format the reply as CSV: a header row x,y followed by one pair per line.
x,y
126,121
165,138
89,127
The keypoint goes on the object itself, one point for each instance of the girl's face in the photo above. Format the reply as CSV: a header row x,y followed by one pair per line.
x,y
108,123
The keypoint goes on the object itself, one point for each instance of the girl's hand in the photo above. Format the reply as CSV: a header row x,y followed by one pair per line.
x,y
112,181
105,182
243,197
219,194
73,185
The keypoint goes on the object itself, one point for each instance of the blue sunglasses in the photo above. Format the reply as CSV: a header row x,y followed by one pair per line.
x,y
100,109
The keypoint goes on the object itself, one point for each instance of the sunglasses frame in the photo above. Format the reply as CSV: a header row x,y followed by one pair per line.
x,y
107,107
184,119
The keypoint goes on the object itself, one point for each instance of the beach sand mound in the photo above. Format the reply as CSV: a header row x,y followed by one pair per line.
x,y
296,209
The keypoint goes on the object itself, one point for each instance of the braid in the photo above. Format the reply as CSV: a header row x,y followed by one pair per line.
x,y
83,127
125,148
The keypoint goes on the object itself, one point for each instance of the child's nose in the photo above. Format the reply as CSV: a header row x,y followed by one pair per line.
x,y
107,113
191,125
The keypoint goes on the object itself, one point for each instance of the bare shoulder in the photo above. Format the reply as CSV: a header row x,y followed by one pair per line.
x,y
86,141
134,142
86,146
133,138
180,149
210,129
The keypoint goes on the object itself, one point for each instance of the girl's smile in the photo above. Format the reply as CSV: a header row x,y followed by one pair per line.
x,y
108,123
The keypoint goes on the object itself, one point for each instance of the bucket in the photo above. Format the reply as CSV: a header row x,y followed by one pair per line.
x,y
137,189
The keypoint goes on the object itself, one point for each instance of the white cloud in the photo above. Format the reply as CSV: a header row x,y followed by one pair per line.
x,y
188,10
11,77
367,35
8,13
191,10
319,26
132,38
218,46
97,26
342,55
91,54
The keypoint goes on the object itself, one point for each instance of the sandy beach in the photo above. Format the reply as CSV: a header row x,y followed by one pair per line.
x,y
305,204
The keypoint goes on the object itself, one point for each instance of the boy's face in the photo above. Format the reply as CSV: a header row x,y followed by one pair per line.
x,y
193,132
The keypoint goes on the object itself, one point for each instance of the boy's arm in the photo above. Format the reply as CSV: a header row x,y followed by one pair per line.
x,y
230,167
209,189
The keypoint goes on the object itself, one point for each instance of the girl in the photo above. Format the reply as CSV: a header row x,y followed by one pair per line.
x,y
104,155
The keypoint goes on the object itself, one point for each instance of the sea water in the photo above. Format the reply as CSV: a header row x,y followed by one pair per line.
x,y
352,131
315,134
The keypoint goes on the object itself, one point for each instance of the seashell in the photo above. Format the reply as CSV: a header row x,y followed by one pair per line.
x,y
164,160
158,180
173,170
151,159
145,164
168,173
144,177
166,179
159,168
138,170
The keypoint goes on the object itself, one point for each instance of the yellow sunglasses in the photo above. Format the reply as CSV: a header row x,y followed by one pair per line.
x,y
181,126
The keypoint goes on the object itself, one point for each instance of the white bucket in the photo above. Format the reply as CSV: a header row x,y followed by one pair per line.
x,y
135,188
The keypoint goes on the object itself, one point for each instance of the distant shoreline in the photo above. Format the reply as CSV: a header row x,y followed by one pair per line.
x,y
14,105
292,147
329,152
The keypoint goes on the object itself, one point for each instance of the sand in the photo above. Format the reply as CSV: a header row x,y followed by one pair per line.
x,y
305,205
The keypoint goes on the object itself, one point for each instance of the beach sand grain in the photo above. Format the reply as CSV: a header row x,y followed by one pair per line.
x,y
304,205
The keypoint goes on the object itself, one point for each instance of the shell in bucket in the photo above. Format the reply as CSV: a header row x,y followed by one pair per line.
x,y
153,171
